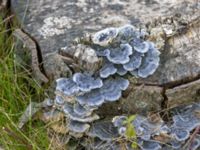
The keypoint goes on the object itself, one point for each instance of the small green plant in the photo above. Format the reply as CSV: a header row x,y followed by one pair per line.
x,y
130,131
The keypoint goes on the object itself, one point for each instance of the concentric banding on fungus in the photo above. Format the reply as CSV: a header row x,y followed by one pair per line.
x,y
67,86
82,111
105,37
139,45
78,127
120,55
68,110
135,61
128,32
107,70
86,82
93,98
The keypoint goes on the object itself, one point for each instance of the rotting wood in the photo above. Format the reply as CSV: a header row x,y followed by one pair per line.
x,y
174,27
183,94
30,44
81,57
177,46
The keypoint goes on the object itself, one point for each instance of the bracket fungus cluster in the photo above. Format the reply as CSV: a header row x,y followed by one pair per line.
x,y
123,51
77,97
164,135
126,52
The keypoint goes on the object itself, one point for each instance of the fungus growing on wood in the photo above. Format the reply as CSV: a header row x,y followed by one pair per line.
x,y
120,70
187,119
150,62
180,134
120,55
112,88
69,111
75,126
149,145
86,82
105,37
104,131
107,70
80,82
82,111
110,91
118,121
139,45
135,61
196,143
59,100
128,32
122,50
67,86
93,98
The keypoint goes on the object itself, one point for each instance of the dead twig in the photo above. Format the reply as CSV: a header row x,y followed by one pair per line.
x,y
192,137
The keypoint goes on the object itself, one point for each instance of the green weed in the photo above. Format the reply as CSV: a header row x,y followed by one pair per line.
x,y
130,131
17,90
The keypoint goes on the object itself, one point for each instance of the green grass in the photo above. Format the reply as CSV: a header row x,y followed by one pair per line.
x,y
17,90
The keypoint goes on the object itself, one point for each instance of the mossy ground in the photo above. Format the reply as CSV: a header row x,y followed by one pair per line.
x,y
17,90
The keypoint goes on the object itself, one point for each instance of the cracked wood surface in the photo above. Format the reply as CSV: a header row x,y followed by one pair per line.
x,y
174,26
31,46
184,94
